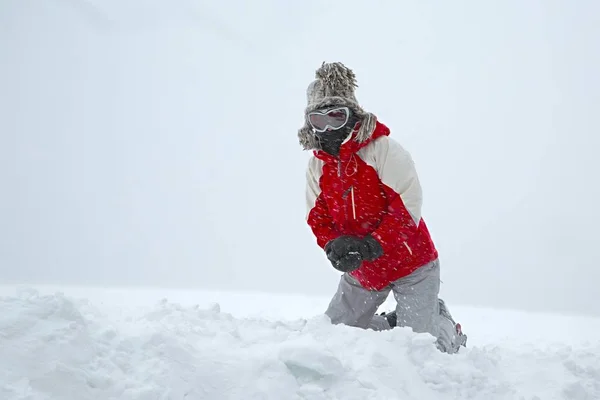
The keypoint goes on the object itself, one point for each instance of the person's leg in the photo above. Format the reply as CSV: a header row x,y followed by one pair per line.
x,y
458,338
418,306
356,306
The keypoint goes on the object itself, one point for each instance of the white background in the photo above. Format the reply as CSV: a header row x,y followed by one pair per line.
x,y
154,143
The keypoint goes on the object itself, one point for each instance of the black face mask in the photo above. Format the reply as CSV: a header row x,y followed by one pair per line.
x,y
331,141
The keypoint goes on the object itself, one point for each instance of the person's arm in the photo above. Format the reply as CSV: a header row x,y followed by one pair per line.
x,y
401,185
318,217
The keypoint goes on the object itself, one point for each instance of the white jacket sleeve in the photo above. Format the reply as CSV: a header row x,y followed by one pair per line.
x,y
398,174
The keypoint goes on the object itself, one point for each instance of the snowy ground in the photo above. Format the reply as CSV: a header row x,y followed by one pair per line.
x,y
150,344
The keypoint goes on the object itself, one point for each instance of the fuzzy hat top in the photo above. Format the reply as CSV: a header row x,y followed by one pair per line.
x,y
334,86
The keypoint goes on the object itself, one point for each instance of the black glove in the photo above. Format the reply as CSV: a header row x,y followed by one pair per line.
x,y
346,253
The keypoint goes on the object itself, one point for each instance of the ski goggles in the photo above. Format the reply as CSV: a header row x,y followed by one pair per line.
x,y
332,119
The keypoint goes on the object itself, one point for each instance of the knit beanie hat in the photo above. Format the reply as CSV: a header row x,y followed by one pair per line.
x,y
334,86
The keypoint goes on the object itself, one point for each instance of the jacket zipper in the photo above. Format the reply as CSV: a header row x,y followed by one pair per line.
x,y
351,191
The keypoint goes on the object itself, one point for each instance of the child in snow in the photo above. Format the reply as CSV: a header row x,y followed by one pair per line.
x,y
364,207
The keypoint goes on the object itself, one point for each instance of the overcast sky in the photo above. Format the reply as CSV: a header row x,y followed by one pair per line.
x,y
154,143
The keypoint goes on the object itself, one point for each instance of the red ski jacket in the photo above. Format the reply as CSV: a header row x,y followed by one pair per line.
x,y
371,188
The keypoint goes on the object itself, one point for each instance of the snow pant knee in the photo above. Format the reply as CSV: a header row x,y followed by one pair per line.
x,y
418,305
356,306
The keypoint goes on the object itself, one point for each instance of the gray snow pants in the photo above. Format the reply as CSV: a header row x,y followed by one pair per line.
x,y
417,305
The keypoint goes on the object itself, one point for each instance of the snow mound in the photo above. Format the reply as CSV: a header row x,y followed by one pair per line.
x,y
55,347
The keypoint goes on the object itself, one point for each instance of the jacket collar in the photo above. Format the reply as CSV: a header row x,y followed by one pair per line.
x,y
350,146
